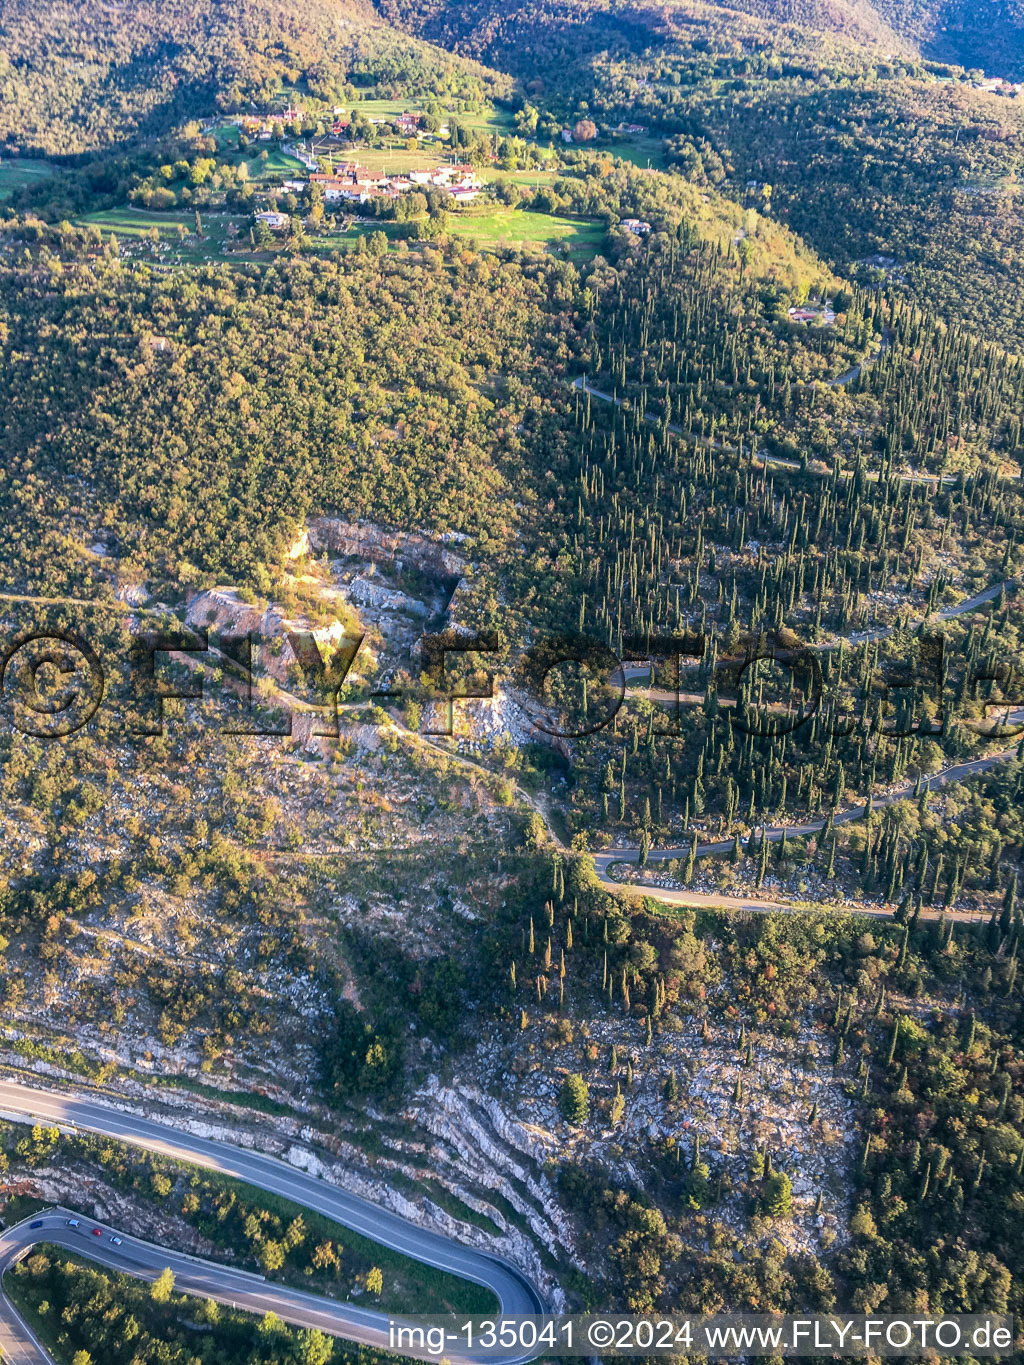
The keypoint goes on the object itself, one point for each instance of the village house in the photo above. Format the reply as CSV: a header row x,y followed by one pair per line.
x,y
636,226
336,187
812,313
277,222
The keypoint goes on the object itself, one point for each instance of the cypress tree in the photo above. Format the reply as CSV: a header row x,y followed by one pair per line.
x,y
892,1043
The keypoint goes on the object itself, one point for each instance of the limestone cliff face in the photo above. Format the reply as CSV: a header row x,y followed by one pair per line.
x,y
372,542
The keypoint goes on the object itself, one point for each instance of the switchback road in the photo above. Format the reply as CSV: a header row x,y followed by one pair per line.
x,y
604,862
514,1292
130,1256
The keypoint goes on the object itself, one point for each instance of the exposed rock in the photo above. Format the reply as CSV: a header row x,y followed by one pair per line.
x,y
221,610
133,593
405,548
366,592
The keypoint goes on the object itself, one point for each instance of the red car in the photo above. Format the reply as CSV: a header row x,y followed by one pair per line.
x,y
97,1232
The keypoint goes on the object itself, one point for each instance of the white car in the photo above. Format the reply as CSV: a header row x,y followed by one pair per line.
x,y
116,1241
74,1223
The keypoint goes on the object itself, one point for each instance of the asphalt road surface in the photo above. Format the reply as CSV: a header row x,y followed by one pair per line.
x,y
515,1293
191,1276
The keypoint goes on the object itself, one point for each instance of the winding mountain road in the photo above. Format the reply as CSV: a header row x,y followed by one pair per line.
x,y
839,381
514,1292
131,1256
604,862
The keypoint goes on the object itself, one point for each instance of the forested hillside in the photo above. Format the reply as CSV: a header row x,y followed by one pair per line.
x,y
672,320
990,36
77,78
864,149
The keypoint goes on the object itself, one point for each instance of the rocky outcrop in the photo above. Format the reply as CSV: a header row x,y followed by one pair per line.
x,y
222,611
402,548
496,1152
366,593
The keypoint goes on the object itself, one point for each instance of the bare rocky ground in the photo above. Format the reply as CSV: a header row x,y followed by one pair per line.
x,y
84,1192
786,1080
487,1134
373,833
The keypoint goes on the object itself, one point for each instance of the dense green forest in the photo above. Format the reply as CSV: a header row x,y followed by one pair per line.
x,y
865,150
130,69
990,37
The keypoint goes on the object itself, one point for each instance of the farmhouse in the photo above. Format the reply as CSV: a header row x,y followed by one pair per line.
x,y
352,182
812,313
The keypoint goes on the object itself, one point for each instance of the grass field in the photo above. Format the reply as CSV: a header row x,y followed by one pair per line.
x,y
136,225
15,174
396,159
481,121
493,226
642,151
489,226
528,179
277,163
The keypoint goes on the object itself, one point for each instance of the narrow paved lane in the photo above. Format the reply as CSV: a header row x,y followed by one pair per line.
x,y
623,858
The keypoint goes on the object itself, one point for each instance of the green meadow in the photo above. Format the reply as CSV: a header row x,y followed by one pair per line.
x,y
17,172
